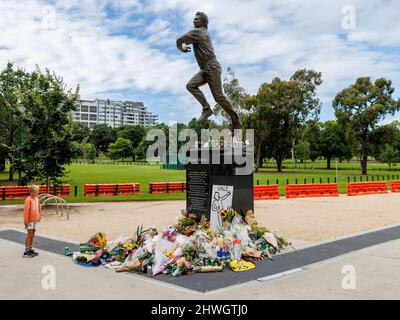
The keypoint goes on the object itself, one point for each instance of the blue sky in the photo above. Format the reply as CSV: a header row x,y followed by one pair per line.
x,y
125,49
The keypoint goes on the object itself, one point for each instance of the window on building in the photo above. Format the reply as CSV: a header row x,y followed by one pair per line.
x,y
93,109
84,108
84,116
93,117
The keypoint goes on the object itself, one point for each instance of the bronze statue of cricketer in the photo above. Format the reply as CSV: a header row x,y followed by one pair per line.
x,y
210,69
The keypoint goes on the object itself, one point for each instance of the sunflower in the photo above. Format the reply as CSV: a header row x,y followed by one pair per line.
x,y
223,213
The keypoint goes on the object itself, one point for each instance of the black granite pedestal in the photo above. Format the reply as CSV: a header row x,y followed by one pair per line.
x,y
202,178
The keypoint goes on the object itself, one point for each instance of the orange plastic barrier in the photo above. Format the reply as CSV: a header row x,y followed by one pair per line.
x,y
266,192
360,188
312,190
166,187
111,189
395,186
60,191
13,193
21,192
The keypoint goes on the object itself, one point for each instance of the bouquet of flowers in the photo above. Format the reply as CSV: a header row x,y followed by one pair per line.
x,y
140,236
169,235
204,223
97,241
227,216
181,266
186,226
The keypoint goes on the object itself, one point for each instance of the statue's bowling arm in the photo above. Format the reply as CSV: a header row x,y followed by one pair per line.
x,y
188,38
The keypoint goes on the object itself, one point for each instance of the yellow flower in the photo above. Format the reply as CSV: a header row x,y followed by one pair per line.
x,y
223,213
169,253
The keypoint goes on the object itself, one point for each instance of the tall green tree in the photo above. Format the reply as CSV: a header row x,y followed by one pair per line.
x,y
361,107
333,143
235,93
380,137
101,136
280,108
11,82
134,133
88,150
47,146
80,131
389,155
312,134
122,148
302,151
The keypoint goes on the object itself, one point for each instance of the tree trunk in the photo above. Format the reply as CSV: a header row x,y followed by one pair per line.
x,y
364,159
279,162
11,173
328,162
258,157
293,155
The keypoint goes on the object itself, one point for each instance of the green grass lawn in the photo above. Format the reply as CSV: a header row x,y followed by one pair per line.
x,y
80,174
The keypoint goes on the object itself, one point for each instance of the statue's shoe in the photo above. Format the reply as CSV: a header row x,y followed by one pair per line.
x,y
205,115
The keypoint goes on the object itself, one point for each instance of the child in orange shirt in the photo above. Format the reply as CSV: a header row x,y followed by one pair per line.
x,y
32,216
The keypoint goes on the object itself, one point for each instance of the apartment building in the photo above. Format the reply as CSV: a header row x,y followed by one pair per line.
x,y
113,113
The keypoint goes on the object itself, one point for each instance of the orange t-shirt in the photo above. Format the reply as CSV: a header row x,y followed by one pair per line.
x,y
31,210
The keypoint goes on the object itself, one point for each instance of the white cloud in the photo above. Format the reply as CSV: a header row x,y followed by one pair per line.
x,y
258,39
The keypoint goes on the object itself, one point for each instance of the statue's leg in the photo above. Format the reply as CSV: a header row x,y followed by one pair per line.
x,y
193,87
213,77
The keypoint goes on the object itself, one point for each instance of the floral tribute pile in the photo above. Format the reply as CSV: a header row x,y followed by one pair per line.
x,y
186,247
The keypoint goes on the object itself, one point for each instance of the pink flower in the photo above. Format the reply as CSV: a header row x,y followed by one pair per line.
x,y
187,264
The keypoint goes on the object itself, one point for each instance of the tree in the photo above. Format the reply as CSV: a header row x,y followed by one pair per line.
x,y
198,126
134,133
80,131
11,82
235,93
302,151
312,134
382,136
361,107
3,157
280,108
390,155
256,119
47,146
122,148
89,150
333,143
140,151
101,136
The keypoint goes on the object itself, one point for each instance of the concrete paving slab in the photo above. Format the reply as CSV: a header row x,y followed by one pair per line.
x,y
376,278
282,263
